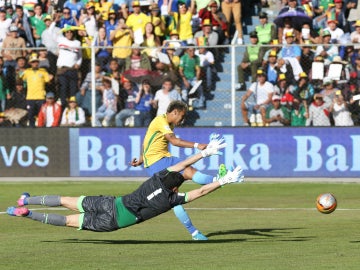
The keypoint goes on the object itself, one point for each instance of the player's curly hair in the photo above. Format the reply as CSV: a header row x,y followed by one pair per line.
x,y
172,180
177,105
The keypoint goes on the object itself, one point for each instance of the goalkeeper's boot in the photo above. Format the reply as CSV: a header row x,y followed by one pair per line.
x,y
17,211
23,196
198,236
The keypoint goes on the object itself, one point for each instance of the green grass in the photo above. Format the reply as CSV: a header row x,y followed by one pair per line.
x,y
287,234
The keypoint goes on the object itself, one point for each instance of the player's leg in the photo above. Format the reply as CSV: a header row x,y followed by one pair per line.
x,y
179,211
51,219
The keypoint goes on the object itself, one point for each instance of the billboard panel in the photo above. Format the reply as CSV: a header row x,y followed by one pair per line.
x,y
34,152
262,152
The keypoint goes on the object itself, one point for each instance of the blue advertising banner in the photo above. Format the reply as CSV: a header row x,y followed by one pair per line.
x,y
262,152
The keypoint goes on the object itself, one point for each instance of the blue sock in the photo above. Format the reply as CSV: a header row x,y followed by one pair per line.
x,y
202,178
181,214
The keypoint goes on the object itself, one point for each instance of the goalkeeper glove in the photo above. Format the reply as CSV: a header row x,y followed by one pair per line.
x,y
213,147
235,176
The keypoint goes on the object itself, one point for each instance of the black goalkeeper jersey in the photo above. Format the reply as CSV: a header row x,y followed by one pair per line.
x,y
152,198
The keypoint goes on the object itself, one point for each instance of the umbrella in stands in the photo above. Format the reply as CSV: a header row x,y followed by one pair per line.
x,y
297,19
139,75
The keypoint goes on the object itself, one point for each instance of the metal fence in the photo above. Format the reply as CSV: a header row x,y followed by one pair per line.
x,y
319,86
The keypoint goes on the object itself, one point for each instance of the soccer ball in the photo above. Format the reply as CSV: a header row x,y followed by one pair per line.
x,y
326,203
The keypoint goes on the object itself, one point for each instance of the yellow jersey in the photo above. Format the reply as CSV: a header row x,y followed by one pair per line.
x,y
137,21
122,39
155,145
36,80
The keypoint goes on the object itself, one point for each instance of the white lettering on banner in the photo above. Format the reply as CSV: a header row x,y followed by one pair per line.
x,y
355,153
25,156
260,155
89,157
307,150
309,157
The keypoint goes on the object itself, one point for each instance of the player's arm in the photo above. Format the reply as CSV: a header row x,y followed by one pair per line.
x,y
234,176
171,138
215,145
137,162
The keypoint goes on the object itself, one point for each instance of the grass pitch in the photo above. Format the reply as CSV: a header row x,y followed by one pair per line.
x,y
250,226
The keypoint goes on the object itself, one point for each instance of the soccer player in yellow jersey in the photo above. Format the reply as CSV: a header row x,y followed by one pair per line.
x,y
36,79
156,155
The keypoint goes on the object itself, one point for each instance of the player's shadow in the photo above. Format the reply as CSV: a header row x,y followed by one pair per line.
x,y
136,242
265,234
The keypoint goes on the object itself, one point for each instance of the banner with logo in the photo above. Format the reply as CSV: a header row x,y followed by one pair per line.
x,y
262,152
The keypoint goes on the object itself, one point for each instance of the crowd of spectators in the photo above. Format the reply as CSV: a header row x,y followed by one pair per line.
x,y
151,52
308,72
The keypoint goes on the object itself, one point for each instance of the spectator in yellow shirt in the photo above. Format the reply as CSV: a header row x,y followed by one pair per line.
x,y
182,20
36,79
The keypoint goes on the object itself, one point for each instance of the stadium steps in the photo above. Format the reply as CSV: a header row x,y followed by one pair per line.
x,y
218,104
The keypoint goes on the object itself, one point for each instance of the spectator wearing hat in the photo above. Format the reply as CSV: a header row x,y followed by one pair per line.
x,y
111,23
276,113
319,114
275,47
288,28
158,20
18,97
329,91
232,11
326,50
10,54
206,31
307,57
36,79
340,112
122,38
175,42
182,20
207,64
103,8
271,68
50,112
73,115
75,8
266,31
38,24
303,91
252,60
290,49
190,72
4,25
217,20
21,20
261,93
282,87
335,32
136,21
89,19
106,112
68,62
355,35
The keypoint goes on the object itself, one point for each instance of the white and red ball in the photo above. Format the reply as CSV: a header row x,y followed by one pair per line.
x,y
326,203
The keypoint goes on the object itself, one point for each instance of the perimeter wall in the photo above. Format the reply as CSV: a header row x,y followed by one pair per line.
x,y
262,152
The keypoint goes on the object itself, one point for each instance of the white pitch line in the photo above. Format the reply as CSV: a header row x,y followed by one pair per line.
x,y
217,209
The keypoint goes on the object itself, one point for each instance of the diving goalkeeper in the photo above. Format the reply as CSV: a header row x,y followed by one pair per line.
x,y
155,196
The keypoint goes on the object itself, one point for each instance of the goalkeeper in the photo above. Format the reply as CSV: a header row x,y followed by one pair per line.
x,y
155,196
